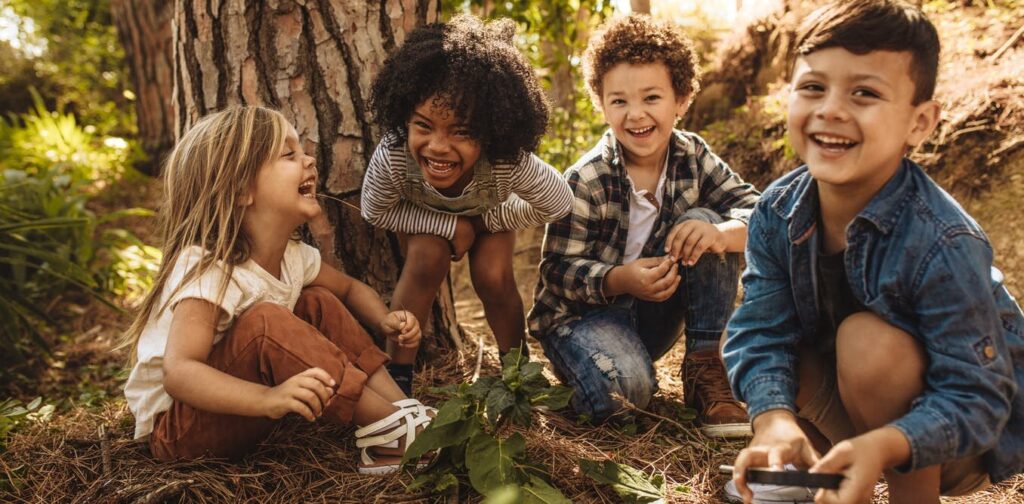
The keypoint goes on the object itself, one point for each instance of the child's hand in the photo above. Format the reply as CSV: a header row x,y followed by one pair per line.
x,y
465,235
777,441
305,393
402,327
861,460
652,278
688,240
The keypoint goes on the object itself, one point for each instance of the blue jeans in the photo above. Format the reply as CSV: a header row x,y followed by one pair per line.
x,y
611,350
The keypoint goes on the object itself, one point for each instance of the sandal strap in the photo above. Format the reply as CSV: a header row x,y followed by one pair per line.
x,y
382,424
406,427
421,409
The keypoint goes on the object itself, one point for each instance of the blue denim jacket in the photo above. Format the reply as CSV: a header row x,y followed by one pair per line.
x,y
916,259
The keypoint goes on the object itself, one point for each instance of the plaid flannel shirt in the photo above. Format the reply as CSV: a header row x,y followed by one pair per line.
x,y
580,248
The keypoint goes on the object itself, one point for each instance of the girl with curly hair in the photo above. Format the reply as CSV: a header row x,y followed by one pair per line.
x,y
461,111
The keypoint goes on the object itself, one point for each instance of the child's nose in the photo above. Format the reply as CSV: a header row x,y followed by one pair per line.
x,y
438,144
634,113
832,108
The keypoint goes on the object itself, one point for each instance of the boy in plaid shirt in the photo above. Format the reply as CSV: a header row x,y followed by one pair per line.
x,y
652,242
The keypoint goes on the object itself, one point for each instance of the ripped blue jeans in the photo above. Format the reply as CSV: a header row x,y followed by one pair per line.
x,y
611,350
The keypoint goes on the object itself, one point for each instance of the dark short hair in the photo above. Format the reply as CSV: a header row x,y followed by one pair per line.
x,y
638,39
862,26
474,69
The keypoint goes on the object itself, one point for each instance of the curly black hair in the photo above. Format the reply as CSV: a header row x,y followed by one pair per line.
x,y
474,69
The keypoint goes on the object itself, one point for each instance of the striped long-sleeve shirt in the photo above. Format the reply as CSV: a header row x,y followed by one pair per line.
x,y
529,193
580,248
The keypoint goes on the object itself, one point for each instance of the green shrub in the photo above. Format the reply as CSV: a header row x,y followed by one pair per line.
x,y
50,240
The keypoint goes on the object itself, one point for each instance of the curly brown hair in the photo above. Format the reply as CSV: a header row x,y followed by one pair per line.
x,y
638,39
474,69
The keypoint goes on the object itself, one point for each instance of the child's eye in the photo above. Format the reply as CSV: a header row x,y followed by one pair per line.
x,y
652,98
811,87
865,93
421,125
288,154
618,101
463,134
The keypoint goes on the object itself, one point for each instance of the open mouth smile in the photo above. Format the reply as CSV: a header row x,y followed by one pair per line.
x,y
440,168
640,132
833,143
308,188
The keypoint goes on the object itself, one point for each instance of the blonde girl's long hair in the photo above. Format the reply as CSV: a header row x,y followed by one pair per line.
x,y
206,177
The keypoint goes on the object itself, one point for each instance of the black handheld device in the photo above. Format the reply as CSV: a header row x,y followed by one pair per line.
x,y
789,478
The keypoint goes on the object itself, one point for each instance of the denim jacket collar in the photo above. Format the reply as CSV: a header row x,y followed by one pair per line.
x,y
798,204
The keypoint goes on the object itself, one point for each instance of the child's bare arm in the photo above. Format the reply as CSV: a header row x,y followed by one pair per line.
x,y
188,378
542,196
368,308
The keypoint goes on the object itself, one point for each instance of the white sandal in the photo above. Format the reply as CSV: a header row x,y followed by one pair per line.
x,y
386,432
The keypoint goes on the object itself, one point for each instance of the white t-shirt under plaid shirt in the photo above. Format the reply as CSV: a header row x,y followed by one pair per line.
x,y
580,248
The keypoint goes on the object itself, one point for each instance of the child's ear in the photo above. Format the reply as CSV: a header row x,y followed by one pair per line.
x,y
926,118
246,199
683,104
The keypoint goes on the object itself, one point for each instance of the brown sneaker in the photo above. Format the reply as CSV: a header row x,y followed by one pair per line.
x,y
706,389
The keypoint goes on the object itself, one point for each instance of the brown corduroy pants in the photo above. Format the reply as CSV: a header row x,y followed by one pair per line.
x,y
268,344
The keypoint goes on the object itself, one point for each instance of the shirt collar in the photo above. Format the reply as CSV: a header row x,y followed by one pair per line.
x,y
882,211
611,149
885,207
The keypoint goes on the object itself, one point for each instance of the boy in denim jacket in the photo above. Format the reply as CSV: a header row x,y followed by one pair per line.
x,y
874,328
653,240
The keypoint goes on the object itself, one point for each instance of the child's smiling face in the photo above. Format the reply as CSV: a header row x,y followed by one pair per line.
x,y
641,106
286,186
442,145
851,116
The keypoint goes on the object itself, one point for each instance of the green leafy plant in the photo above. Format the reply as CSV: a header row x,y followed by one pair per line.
x,y
631,484
51,242
471,435
13,414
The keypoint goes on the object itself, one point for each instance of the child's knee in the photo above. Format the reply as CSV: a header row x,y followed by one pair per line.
x,y
631,378
870,353
263,320
493,283
318,299
703,214
427,256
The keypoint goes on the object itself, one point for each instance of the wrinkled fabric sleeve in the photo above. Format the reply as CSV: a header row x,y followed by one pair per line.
x,y
568,266
722,189
969,380
382,203
539,195
760,350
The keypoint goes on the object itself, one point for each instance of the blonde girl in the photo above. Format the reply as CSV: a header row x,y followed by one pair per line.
x,y
245,324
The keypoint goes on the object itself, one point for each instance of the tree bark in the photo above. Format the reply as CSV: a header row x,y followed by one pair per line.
x,y
313,60
144,27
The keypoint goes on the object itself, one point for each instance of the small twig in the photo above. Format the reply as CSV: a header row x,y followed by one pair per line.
x,y
479,358
339,200
632,407
105,448
1009,43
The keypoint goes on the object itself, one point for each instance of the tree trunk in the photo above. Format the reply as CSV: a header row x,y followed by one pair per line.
x,y
314,61
144,27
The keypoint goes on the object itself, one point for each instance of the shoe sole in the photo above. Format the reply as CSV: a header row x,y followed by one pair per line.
x,y
736,430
